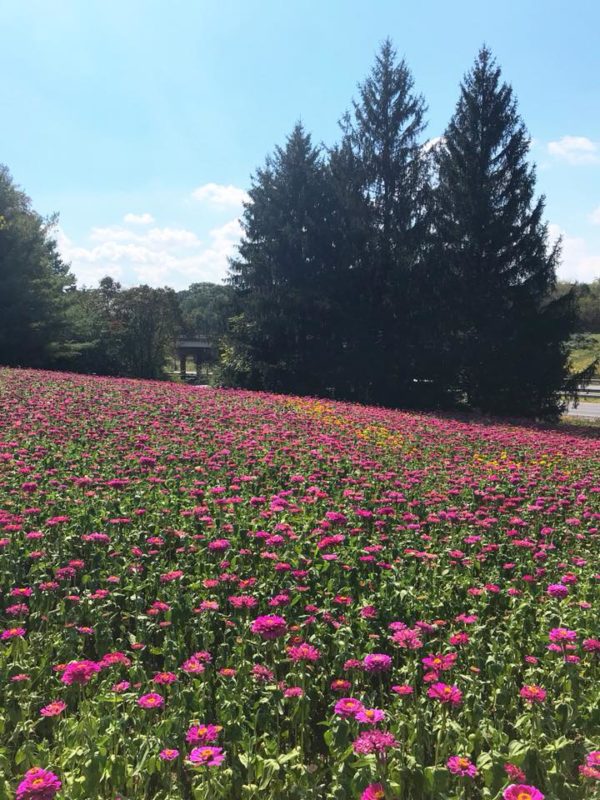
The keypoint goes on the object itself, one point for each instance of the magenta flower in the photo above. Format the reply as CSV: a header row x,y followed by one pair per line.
x,y
293,691
269,626
445,694
53,709
12,633
403,690
533,693
164,678
377,662
168,754
151,700
562,635
558,590
593,759
79,672
522,791
207,756
373,741
303,652
370,716
514,772
202,734
348,707
38,784
458,765
439,663
374,791
408,638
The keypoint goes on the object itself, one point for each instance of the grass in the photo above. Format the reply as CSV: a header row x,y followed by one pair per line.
x,y
585,347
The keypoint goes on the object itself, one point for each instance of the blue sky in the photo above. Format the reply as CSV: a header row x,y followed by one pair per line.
x,y
141,121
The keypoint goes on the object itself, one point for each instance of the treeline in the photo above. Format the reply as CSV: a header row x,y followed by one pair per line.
x,y
386,269
391,269
587,303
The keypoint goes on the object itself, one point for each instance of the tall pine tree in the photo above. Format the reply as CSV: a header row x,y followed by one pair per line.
x,y
284,338
502,346
33,283
384,135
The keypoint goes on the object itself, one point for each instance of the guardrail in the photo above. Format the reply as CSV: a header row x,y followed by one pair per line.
x,y
591,391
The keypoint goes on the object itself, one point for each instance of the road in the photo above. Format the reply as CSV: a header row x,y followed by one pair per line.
x,y
584,411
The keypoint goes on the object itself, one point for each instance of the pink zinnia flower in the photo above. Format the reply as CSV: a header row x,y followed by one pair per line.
x,y
439,662
533,693
377,662
445,694
12,633
374,791
348,707
168,754
151,700
269,626
514,772
303,652
370,716
373,741
591,645
404,689
408,638
459,765
207,756
562,635
219,545
340,685
294,691
79,672
202,734
589,772
53,709
557,590
164,678
522,791
38,784
593,759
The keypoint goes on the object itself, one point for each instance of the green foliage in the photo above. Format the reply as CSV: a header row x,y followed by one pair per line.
x,y
492,263
34,283
127,332
285,276
206,308
587,301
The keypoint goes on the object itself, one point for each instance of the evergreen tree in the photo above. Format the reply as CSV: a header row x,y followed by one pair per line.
x,y
384,136
503,342
284,277
33,283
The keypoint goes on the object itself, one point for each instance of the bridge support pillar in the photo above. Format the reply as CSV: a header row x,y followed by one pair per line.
x,y
182,369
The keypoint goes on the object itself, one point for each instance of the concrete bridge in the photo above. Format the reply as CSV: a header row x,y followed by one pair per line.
x,y
199,347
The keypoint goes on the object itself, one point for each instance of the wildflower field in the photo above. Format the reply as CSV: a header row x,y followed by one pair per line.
x,y
221,594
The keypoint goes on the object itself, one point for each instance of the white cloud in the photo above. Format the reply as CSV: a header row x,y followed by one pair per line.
x,y
173,236
219,195
139,219
577,262
594,217
159,256
575,150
